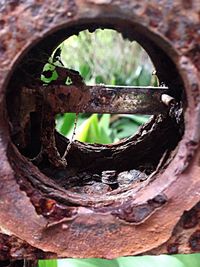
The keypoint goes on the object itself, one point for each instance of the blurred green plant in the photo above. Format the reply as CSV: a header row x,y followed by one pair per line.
x,y
48,263
102,129
104,57
139,261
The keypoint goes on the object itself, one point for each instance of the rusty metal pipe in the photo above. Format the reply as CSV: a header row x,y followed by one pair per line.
x,y
99,99
158,215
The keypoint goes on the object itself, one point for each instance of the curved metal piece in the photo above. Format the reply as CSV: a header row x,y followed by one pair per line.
x,y
157,215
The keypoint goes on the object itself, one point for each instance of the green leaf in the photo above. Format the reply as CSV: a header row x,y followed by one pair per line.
x,y
104,137
151,261
87,263
105,130
191,260
126,130
99,79
139,119
85,71
145,77
49,66
88,130
47,263
124,127
93,131
104,122
54,76
65,123
113,80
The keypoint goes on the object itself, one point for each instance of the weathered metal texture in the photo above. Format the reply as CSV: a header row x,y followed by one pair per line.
x,y
99,99
158,215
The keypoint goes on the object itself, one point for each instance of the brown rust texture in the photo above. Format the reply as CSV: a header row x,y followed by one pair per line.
x,y
97,99
158,215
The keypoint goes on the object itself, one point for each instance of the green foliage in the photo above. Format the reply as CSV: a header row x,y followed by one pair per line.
x,y
102,57
48,263
65,123
87,263
191,260
126,125
105,57
95,130
142,261
53,77
100,128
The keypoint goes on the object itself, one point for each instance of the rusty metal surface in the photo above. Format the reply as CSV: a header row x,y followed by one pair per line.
x,y
98,99
158,215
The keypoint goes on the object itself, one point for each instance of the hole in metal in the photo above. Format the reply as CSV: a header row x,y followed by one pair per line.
x,y
103,170
104,57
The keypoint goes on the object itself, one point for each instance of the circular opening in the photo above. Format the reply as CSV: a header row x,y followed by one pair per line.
x,y
103,57
95,170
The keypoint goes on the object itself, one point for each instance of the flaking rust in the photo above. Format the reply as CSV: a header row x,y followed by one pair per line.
x,y
66,216
98,99
140,213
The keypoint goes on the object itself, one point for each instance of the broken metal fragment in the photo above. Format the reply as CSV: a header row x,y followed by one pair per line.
x,y
98,99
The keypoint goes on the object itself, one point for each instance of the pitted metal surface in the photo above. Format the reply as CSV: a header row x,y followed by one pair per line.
x,y
37,204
